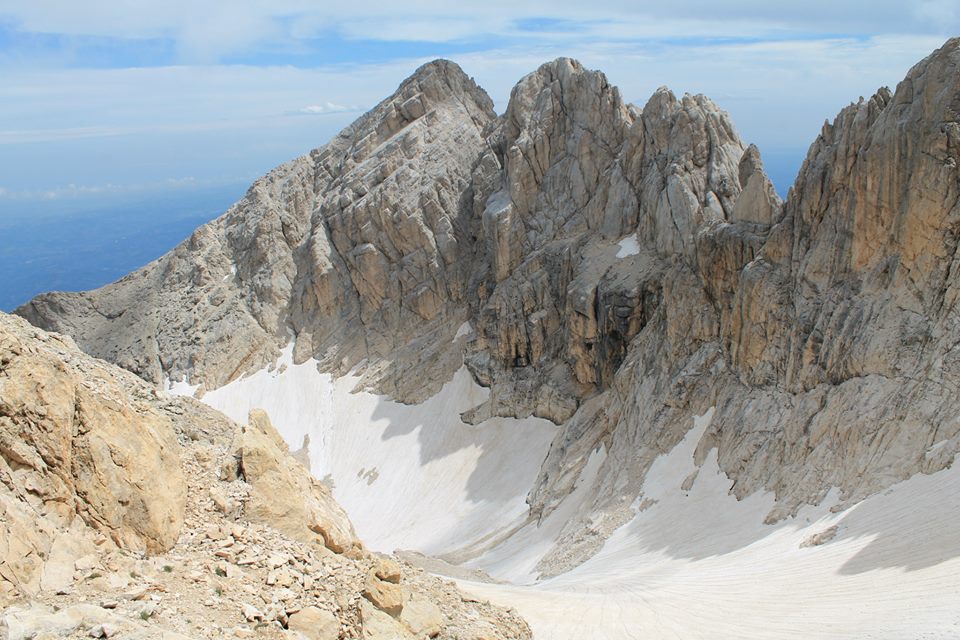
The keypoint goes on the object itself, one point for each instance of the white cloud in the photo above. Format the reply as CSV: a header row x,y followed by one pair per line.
x,y
49,105
937,12
185,181
327,107
70,191
778,92
209,30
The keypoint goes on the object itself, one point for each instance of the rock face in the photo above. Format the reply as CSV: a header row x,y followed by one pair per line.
x,y
128,513
83,463
622,270
570,171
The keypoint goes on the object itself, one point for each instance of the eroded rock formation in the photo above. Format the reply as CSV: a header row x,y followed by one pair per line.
x,y
282,494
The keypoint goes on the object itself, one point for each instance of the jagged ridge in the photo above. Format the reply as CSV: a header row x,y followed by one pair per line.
x,y
820,329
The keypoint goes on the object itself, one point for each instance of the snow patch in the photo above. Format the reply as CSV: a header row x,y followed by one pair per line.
x,y
463,331
628,246
695,563
937,446
180,388
701,564
516,559
440,483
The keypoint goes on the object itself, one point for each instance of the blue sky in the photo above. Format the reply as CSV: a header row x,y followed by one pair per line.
x,y
101,99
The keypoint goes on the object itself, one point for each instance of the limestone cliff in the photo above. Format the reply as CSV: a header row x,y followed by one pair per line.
x,y
622,270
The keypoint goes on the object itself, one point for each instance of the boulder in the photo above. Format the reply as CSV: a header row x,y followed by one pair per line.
x,y
315,624
385,596
92,454
377,625
284,494
387,569
422,617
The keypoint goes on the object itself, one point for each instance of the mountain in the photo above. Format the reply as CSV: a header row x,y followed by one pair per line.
x,y
573,293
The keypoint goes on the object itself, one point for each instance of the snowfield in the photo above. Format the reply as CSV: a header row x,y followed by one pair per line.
x,y
410,476
700,564
694,564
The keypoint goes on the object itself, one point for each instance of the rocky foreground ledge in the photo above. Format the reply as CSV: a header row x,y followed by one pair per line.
x,y
126,513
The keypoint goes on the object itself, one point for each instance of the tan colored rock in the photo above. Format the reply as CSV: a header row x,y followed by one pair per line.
x,y
25,623
104,630
224,504
284,494
67,548
377,625
250,613
71,548
385,596
821,538
315,624
91,456
422,617
386,568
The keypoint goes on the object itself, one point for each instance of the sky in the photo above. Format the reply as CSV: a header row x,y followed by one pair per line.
x,y
108,99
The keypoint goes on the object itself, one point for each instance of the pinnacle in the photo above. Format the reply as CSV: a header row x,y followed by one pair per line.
x,y
440,79
441,66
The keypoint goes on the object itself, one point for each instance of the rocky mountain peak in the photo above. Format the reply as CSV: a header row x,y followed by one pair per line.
x,y
873,214
563,89
440,80
613,269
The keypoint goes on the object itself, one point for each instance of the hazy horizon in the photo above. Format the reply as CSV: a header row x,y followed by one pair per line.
x,y
78,245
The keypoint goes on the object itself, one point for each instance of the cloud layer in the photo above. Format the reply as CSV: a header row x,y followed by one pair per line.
x,y
216,28
116,92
